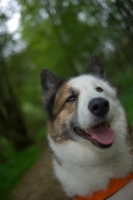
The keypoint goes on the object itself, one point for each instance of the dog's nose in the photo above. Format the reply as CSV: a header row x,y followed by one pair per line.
x,y
99,106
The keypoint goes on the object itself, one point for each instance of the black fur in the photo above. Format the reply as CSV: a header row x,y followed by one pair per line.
x,y
96,68
50,85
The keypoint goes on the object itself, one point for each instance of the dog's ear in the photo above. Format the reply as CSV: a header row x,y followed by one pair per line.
x,y
96,68
50,84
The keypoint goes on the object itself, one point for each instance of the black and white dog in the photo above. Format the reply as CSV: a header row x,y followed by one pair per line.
x,y
87,130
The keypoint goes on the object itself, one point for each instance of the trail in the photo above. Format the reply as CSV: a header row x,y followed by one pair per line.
x,y
39,183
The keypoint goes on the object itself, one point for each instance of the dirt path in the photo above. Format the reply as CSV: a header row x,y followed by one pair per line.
x,y
39,183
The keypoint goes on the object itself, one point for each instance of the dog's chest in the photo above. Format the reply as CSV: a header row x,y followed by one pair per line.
x,y
85,180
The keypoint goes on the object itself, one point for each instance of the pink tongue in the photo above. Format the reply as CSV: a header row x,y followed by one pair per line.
x,y
103,134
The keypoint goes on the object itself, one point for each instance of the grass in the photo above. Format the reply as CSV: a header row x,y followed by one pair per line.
x,y
12,171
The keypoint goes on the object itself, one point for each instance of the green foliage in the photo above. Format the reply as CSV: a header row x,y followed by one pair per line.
x,y
6,148
12,171
127,101
41,134
66,33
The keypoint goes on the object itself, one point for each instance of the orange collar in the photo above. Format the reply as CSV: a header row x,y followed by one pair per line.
x,y
114,186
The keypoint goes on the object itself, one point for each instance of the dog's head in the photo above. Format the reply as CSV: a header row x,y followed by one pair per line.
x,y
83,109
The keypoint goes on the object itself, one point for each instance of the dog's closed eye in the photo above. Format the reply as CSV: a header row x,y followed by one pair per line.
x,y
71,98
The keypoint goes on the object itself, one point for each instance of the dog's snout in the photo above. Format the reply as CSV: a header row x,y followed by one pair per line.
x,y
99,106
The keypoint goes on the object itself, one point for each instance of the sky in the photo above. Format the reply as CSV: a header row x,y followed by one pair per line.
x,y
13,22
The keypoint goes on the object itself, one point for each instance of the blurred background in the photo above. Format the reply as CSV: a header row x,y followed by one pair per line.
x,y
60,35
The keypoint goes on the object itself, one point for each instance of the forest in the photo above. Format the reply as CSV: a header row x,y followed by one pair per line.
x,y
60,35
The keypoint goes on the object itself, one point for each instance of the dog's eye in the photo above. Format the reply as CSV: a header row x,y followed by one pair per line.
x,y
71,98
99,89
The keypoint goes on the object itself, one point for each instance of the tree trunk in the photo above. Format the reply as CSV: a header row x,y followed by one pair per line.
x,y
11,118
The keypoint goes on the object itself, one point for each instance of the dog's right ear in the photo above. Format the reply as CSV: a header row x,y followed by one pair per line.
x,y
96,68
50,83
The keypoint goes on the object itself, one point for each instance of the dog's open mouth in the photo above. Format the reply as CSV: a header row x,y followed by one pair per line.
x,y
100,135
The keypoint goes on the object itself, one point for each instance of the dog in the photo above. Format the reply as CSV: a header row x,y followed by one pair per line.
x,y
87,130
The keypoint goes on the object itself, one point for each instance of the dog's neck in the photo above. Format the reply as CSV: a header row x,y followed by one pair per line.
x,y
114,186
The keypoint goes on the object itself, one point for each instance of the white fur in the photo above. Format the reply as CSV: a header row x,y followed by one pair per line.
x,y
85,168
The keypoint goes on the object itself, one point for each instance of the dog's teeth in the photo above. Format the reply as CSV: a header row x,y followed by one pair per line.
x,y
58,138
86,131
106,124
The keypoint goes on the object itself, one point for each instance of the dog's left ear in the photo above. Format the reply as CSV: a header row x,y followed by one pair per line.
x,y
96,68
50,84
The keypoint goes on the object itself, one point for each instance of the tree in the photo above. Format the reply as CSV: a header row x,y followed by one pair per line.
x,y
64,34
12,125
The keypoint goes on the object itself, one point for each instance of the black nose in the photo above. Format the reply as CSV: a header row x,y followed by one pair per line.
x,y
99,106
